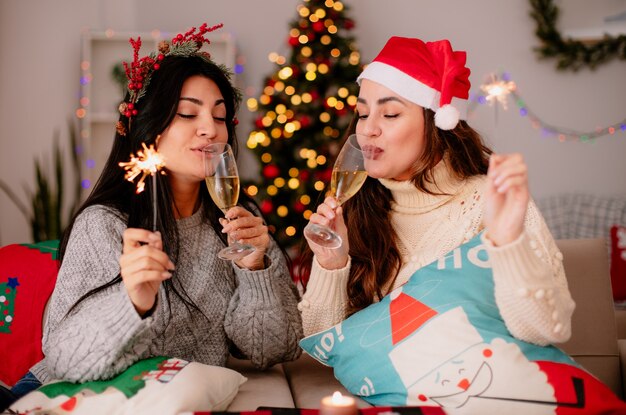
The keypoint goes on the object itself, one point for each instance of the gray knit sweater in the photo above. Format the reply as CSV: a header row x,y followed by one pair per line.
x,y
254,311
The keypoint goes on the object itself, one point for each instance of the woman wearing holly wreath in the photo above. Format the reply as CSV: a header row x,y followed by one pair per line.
x,y
127,292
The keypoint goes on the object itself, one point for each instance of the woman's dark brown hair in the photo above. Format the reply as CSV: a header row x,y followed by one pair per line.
x,y
373,243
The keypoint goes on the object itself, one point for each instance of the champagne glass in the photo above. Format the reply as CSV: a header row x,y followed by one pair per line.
x,y
222,180
347,177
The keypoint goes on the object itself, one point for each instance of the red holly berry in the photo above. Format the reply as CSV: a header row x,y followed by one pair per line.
x,y
156,66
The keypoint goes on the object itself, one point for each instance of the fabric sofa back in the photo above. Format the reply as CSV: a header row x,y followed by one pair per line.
x,y
594,336
579,216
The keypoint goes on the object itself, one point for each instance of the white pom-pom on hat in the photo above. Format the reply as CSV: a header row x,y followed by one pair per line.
x,y
447,117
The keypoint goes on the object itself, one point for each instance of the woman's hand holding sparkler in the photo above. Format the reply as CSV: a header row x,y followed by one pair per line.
x,y
143,266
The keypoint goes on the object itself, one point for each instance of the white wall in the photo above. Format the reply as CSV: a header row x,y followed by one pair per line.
x,y
39,73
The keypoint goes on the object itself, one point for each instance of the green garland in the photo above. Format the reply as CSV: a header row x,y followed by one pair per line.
x,y
571,54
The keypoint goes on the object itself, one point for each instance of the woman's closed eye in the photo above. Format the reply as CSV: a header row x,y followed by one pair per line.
x,y
364,116
190,116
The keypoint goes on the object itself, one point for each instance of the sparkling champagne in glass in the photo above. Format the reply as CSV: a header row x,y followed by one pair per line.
x,y
222,180
347,177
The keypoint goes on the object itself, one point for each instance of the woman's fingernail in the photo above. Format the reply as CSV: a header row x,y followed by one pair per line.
x,y
171,266
166,274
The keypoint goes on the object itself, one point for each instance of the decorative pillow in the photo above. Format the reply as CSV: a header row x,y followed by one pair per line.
x,y
618,262
440,341
27,277
158,385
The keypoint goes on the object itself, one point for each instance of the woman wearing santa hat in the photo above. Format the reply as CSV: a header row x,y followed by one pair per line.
x,y
433,185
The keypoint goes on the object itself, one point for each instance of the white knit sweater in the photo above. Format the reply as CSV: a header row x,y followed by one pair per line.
x,y
530,286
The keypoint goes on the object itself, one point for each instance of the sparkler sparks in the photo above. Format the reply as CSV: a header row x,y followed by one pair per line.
x,y
498,90
147,162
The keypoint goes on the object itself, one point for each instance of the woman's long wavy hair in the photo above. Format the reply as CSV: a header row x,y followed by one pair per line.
x,y
374,249
156,110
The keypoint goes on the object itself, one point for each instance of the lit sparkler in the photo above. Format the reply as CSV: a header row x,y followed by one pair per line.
x,y
147,162
497,90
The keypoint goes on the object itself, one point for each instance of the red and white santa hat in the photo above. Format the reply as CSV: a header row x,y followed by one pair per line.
x,y
429,74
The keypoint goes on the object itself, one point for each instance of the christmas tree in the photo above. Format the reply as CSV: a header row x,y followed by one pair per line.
x,y
303,111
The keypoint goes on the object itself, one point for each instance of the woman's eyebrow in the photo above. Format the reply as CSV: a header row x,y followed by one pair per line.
x,y
382,100
193,100
200,102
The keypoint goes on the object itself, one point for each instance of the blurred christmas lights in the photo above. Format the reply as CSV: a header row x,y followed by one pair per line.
x,y
498,88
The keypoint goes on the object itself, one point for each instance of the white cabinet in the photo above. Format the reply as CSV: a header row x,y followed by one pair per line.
x,y
100,94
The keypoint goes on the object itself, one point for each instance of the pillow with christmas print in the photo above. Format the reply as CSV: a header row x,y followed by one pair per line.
x,y
27,277
618,263
158,385
439,341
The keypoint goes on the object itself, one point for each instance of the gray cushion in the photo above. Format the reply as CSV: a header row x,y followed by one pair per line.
x,y
263,387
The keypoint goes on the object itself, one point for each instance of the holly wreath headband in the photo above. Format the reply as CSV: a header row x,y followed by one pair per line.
x,y
140,70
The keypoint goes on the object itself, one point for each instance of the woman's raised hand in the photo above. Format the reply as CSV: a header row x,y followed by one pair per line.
x,y
507,198
143,266
330,214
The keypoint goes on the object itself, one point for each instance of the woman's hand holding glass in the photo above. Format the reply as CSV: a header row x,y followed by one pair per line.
x,y
330,215
222,181
249,230
326,230
143,267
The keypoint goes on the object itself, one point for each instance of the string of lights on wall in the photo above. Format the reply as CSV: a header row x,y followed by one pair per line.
x,y
497,90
